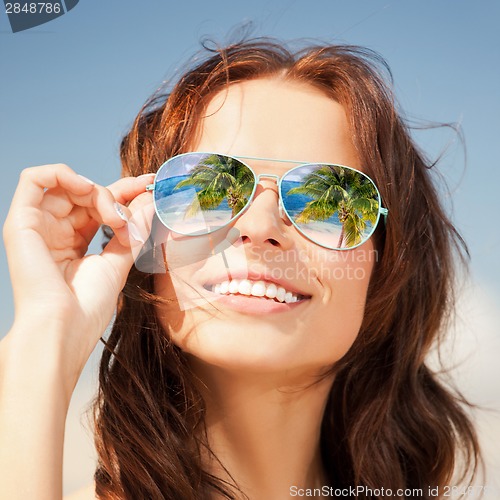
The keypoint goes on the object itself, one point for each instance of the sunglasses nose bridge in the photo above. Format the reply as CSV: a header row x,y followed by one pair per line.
x,y
269,176
276,178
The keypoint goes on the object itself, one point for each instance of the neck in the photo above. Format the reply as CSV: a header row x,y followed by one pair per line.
x,y
265,430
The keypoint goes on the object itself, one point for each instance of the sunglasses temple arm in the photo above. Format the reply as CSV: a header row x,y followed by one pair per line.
x,y
384,212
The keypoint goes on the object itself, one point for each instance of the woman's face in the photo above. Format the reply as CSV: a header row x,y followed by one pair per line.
x,y
268,118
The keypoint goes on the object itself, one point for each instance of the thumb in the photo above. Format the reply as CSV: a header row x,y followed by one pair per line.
x,y
120,258
129,240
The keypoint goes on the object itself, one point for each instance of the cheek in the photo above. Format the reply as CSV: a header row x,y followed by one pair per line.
x,y
317,338
182,259
169,313
180,323
343,279
185,306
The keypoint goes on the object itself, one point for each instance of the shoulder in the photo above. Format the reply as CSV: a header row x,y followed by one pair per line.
x,y
86,493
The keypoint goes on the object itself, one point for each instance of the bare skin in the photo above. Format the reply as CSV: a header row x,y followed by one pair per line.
x,y
263,414
63,303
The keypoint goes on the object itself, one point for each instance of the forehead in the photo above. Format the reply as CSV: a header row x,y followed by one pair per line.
x,y
275,118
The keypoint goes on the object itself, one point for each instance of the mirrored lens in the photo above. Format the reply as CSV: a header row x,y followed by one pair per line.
x,y
335,206
197,193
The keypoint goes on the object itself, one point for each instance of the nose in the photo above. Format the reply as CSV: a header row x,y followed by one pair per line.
x,y
264,223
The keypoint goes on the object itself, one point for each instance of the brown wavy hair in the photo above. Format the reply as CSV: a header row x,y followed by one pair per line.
x,y
389,420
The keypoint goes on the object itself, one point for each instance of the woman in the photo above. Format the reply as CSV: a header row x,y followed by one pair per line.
x,y
242,393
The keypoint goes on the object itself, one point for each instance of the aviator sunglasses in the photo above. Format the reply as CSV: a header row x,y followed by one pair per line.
x,y
335,206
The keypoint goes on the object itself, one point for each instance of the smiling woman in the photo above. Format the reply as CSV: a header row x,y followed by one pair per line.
x,y
307,271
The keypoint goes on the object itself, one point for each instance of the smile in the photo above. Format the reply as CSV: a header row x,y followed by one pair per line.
x,y
259,288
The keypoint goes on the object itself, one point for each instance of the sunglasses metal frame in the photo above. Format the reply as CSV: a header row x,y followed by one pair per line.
x,y
381,210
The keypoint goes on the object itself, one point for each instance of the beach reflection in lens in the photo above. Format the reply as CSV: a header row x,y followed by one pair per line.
x,y
335,206
197,193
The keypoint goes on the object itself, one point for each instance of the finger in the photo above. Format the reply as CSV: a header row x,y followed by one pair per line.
x,y
84,223
95,220
76,250
100,204
35,180
139,214
85,213
132,191
57,202
107,204
60,203
127,243
126,189
79,217
120,258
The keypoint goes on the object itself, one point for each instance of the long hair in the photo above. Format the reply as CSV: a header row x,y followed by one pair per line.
x,y
389,421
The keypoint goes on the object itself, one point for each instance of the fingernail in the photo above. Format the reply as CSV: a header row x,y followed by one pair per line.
x,y
86,180
134,232
120,212
146,175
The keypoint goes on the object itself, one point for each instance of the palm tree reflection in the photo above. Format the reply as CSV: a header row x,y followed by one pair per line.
x,y
340,191
219,178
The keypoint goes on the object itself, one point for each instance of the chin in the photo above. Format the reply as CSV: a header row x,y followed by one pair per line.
x,y
262,348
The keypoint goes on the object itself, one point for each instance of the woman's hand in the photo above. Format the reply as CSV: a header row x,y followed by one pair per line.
x,y
64,299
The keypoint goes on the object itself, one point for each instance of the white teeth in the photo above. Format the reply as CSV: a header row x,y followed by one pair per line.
x,y
245,287
271,291
256,288
281,294
233,286
259,289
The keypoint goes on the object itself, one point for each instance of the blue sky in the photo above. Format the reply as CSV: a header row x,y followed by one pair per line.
x,y
70,88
